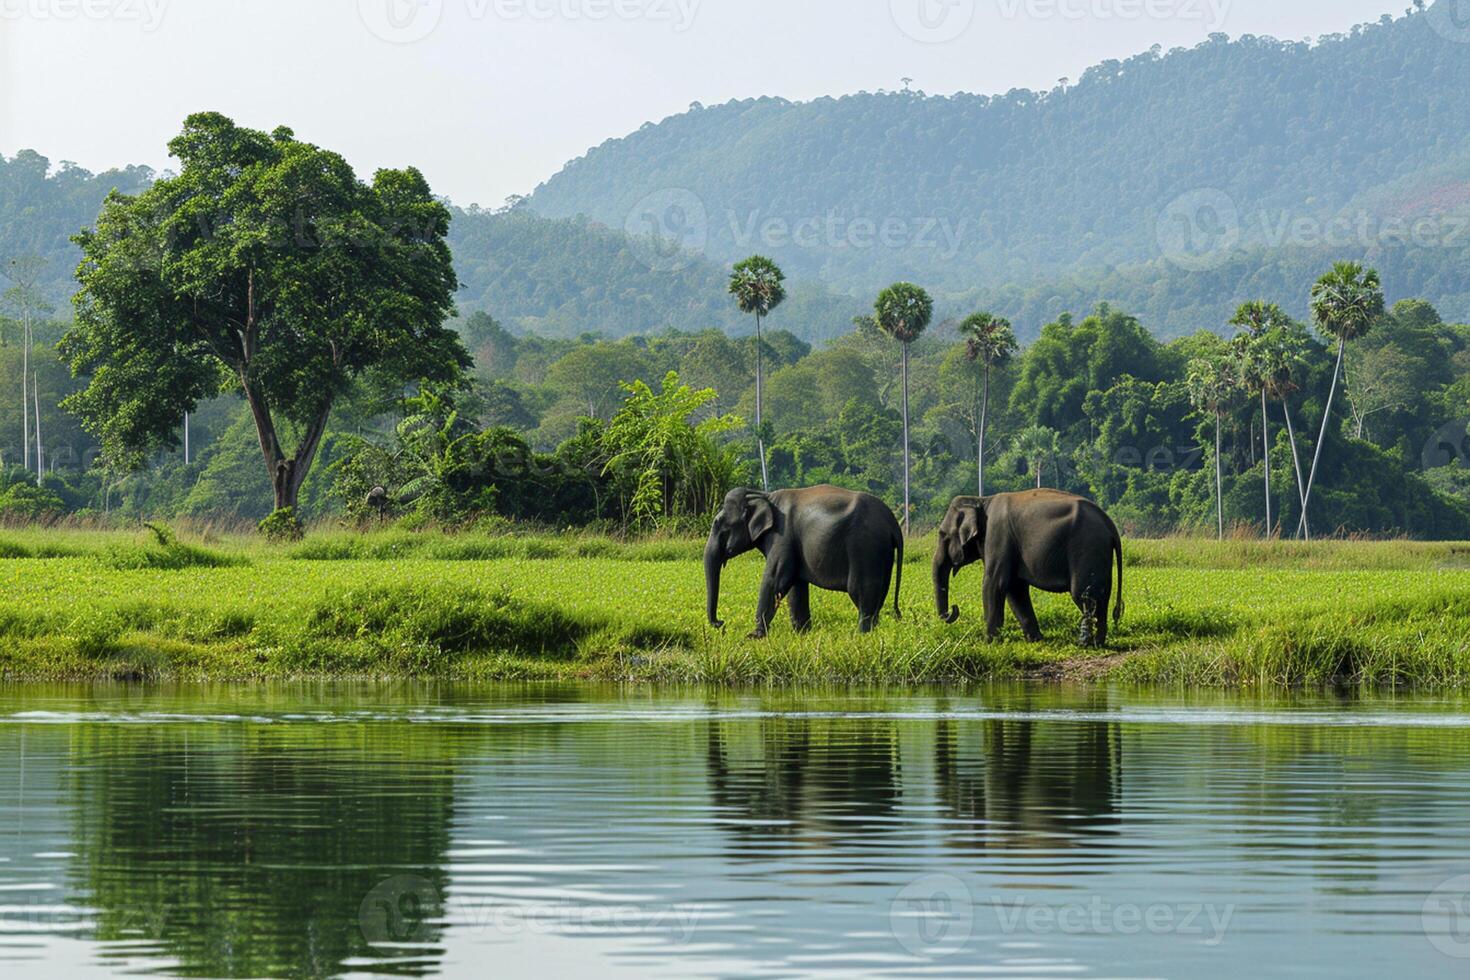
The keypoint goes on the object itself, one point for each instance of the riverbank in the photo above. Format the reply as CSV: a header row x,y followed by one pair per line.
x,y
106,605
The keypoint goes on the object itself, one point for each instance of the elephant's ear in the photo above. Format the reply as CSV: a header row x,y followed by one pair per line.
x,y
971,524
760,516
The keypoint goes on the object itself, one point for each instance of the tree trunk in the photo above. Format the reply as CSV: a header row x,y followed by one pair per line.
x,y
1219,492
760,435
984,411
286,474
1266,455
905,360
25,405
1296,463
1322,437
40,457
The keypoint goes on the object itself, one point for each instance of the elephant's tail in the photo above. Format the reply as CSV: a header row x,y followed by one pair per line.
x,y
1118,548
898,576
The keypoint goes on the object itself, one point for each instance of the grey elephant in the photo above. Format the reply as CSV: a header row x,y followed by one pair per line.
x,y
835,539
1044,539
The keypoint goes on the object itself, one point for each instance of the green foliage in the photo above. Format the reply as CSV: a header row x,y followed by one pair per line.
x,y
24,501
193,286
756,284
281,526
903,311
676,466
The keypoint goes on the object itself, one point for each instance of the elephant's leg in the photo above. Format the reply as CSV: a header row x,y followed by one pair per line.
x,y
799,602
867,593
1094,630
775,583
994,596
870,610
1020,602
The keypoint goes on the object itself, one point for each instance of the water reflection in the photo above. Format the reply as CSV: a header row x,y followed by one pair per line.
x,y
799,778
426,831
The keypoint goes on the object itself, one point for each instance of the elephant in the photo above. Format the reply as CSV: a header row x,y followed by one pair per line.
x,y
835,539
1053,541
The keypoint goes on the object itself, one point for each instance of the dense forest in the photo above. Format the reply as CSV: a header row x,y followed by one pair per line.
x,y
1096,404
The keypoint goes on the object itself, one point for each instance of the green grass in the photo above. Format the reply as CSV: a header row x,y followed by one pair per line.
x,y
83,605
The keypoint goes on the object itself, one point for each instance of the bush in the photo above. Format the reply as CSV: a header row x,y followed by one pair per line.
x,y
26,501
282,526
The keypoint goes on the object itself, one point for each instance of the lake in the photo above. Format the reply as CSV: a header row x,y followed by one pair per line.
x,y
551,830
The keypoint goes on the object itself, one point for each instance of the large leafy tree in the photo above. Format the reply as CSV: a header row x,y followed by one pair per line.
x,y
903,312
265,267
989,342
757,285
1346,303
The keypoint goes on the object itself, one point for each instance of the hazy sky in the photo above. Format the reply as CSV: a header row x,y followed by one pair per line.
x,y
490,97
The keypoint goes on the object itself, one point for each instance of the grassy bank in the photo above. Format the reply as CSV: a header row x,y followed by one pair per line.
x,y
93,605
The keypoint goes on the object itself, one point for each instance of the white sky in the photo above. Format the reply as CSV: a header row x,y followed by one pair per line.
x,y
498,94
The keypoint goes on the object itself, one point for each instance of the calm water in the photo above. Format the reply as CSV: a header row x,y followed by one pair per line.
x,y
551,831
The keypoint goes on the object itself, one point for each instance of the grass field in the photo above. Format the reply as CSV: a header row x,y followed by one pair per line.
x,y
87,604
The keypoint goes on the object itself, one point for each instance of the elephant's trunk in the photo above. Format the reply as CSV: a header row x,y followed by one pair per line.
x,y
714,560
942,569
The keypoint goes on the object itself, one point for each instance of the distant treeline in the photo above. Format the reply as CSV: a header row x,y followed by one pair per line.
x,y
1116,400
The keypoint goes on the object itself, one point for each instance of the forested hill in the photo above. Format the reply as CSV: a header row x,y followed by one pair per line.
x,y
1247,142
42,206
568,277
1173,185
554,278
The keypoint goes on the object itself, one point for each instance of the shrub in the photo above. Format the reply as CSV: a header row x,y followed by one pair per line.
x,y
282,526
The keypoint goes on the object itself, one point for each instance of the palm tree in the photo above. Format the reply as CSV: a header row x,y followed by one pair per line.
x,y
1212,382
1258,319
1282,356
989,342
1035,445
1346,302
903,311
756,284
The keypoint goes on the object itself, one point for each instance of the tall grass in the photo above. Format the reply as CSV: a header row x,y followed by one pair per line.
x,y
203,605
